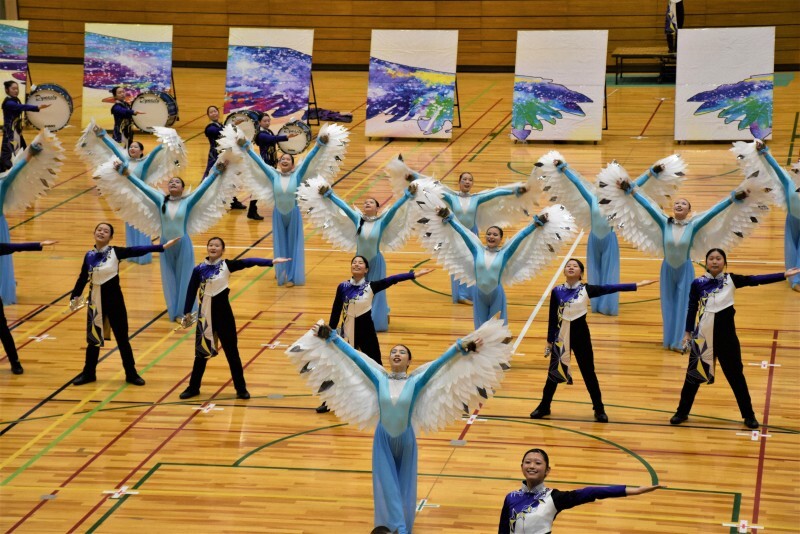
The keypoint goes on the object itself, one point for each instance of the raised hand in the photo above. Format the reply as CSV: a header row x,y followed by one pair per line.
x,y
281,260
324,139
171,243
642,489
741,194
646,283
791,272
323,189
412,188
48,242
422,272
443,212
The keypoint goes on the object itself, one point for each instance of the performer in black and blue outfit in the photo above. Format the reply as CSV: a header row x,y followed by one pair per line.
x,y
215,320
567,331
105,303
12,124
714,338
213,132
123,115
533,508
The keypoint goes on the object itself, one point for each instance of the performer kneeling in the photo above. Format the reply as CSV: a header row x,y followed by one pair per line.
x,y
567,331
715,334
215,319
106,306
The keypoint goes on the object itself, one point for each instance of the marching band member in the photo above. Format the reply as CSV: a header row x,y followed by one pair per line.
x,y
13,141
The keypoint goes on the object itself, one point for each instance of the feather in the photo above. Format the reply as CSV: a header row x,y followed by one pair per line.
x,y
329,158
132,205
37,175
337,228
210,208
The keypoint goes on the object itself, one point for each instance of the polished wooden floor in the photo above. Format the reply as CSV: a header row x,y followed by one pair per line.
x,y
271,464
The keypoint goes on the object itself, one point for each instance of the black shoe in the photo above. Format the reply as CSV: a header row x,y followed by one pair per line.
x,y
136,380
83,379
323,408
751,423
188,393
244,394
254,215
678,419
16,368
236,205
600,416
538,413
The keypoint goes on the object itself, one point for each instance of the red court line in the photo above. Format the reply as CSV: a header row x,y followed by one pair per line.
x,y
470,151
661,101
26,516
764,425
25,316
468,425
29,341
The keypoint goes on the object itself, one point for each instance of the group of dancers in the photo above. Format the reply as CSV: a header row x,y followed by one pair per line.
x,y
342,360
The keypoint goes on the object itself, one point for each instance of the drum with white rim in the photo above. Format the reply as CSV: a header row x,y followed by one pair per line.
x,y
245,120
299,134
54,117
156,109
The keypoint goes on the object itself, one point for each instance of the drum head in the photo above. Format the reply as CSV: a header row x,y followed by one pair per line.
x,y
300,140
57,115
245,120
155,111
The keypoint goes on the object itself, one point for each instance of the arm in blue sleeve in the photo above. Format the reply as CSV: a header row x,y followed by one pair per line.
x,y
263,139
9,248
134,252
486,196
238,265
14,106
469,238
122,111
756,280
300,172
438,363
564,500
342,205
198,193
652,209
587,195
391,212
155,196
693,304
646,175
505,522
705,218
112,145
270,172
780,172
191,291
514,243
356,358
148,161
381,285
600,290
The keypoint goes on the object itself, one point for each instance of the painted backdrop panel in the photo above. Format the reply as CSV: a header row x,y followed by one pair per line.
x,y
14,53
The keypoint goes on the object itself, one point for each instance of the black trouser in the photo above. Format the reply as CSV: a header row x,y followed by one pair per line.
x,y
581,343
6,338
224,325
114,310
729,356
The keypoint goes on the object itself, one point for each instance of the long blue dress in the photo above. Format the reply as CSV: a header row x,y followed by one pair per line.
x,y
791,239
394,447
677,272
488,296
177,262
287,223
368,241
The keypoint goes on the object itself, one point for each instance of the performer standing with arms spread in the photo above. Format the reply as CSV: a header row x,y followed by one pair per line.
x,y
12,123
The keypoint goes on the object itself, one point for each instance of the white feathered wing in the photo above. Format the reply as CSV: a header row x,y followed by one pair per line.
x,y
328,159
336,226
210,208
39,173
133,206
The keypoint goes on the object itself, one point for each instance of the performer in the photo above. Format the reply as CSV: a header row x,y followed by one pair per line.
x,y
106,306
758,159
714,338
13,141
349,228
494,265
33,173
267,183
499,206
215,319
123,115
672,23
678,238
566,186
362,393
567,331
5,334
533,508
213,133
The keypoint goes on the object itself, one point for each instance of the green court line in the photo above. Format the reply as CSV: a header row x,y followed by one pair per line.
x,y
269,444
39,214
493,136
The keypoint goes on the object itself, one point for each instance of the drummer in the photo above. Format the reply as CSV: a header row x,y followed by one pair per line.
x,y
122,112
267,143
12,123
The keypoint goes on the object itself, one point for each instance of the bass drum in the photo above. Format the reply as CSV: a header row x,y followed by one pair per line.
x,y
245,120
57,115
157,109
299,134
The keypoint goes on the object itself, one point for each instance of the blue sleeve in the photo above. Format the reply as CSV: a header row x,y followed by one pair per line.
x,y
468,237
653,210
155,196
692,306
10,248
706,217
646,175
270,172
564,500
587,195
552,320
356,358
198,193
134,252
381,285
191,291
300,172
437,364
263,139
756,280
148,161
486,196
14,106
246,263
114,147
600,290
516,241
391,212
786,182
505,521
342,205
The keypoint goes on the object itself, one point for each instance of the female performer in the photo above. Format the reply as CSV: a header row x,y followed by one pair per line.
x,y
362,393
267,183
494,265
349,228
499,206
533,508
677,239
566,186
215,319
123,115
714,337
12,123
106,306
5,334
34,172
567,331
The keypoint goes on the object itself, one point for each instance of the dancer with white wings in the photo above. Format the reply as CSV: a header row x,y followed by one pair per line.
x,y
171,215
362,393
500,206
280,186
365,232
679,238
167,159
756,157
564,185
32,173
494,265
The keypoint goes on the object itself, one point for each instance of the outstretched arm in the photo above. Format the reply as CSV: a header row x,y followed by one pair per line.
x,y
331,336
486,196
441,361
761,279
328,193
144,168
469,238
652,209
213,176
652,172
579,184
606,289
381,285
246,263
392,211
10,248
134,252
111,144
300,171
32,151
268,171
151,193
514,243
718,208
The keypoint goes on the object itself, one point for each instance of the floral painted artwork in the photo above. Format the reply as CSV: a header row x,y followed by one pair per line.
x,y
539,100
14,51
749,102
